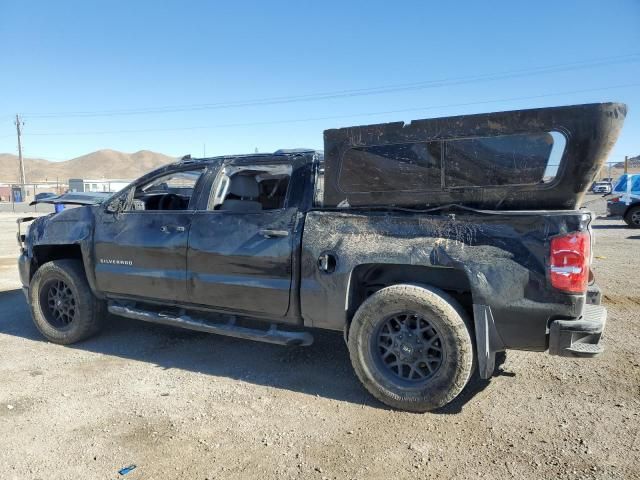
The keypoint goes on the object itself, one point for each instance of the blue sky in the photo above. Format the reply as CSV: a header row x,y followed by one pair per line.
x,y
106,57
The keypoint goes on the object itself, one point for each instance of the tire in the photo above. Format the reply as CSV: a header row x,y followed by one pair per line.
x,y
440,323
62,305
632,217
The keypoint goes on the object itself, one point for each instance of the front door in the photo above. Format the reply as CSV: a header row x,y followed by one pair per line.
x,y
142,251
240,248
143,254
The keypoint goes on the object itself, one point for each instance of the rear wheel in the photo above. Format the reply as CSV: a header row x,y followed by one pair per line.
x,y
411,347
632,217
62,305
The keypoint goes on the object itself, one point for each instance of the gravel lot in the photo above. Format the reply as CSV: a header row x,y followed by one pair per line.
x,y
181,404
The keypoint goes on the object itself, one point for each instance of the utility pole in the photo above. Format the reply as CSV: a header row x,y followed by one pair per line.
x,y
626,163
19,123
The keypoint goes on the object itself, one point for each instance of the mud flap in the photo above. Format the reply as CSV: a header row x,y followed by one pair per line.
x,y
488,341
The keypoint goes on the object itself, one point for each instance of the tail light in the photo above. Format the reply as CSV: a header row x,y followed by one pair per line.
x,y
569,262
613,199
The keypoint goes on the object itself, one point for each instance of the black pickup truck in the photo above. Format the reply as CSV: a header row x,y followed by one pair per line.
x,y
432,245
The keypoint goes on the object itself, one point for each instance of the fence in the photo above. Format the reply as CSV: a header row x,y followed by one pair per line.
x,y
14,193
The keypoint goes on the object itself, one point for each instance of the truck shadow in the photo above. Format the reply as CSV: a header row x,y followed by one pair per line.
x,y
323,369
608,226
475,386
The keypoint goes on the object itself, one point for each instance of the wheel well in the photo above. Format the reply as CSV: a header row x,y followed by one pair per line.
x,y
367,279
46,253
630,207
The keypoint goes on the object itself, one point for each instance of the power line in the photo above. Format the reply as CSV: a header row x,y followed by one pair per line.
x,y
628,58
333,117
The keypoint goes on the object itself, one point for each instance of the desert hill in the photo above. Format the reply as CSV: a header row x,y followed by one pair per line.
x,y
99,164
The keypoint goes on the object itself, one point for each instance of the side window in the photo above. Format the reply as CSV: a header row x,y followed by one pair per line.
x,y
251,189
169,192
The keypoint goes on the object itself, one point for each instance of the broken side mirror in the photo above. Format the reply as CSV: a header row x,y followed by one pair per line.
x,y
113,206
118,203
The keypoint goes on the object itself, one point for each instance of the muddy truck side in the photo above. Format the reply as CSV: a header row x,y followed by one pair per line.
x,y
432,246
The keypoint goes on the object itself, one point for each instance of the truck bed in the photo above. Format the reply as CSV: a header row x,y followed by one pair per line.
x,y
485,258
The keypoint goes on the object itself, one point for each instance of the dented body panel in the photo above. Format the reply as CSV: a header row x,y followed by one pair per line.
x,y
501,256
48,234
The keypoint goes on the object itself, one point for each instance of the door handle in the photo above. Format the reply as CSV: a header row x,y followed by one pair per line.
x,y
268,233
165,229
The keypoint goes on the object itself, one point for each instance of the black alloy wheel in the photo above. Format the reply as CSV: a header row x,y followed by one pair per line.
x,y
409,347
59,302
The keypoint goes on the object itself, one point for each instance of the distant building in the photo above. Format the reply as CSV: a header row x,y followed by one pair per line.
x,y
5,192
102,185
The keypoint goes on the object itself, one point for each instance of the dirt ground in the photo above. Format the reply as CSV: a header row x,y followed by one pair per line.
x,y
180,404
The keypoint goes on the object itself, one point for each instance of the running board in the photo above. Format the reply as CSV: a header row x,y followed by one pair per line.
x,y
230,329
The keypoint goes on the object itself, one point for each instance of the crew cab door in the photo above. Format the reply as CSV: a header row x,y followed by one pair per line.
x,y
142,251
240,247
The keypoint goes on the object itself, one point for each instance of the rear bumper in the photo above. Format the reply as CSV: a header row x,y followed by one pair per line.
x,y
580,337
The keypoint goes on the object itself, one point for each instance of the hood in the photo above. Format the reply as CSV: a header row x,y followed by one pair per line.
x,y
76,198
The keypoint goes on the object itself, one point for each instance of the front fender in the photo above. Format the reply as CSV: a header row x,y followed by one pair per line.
x,y
73,226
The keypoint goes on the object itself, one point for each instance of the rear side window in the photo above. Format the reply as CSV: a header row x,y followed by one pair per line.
x,y
523,159
251,189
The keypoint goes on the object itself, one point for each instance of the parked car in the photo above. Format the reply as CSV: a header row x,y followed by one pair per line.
x,y
601,187
431,245
44,195
625,200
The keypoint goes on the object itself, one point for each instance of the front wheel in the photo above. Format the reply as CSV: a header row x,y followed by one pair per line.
x,y
632,217
62,305
411,347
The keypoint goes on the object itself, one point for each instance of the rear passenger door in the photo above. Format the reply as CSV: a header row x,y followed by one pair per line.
x,y
240,248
